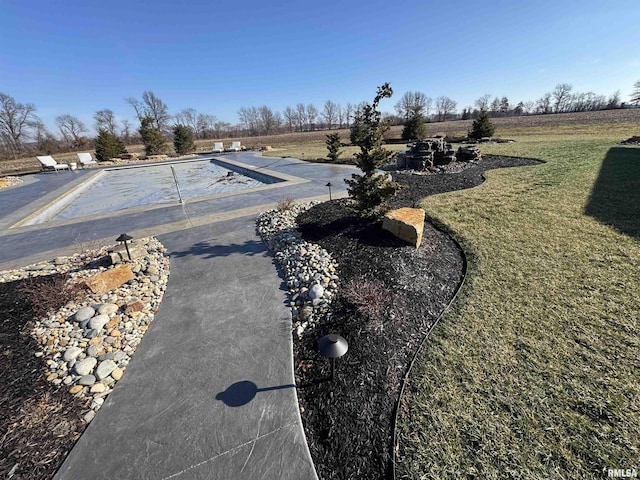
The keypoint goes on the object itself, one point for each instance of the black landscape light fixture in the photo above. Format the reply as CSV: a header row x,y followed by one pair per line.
x,y
124,238
333,346
329,185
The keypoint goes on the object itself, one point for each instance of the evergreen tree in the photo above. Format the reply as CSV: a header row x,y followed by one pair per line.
x,y
482,126
333,145
415,127
371,190
154,141
183,140
108,146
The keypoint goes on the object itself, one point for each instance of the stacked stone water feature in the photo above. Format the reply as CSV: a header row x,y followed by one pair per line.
x,y
430,153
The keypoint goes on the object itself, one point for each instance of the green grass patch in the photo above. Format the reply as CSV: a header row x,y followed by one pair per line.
x,y
534,372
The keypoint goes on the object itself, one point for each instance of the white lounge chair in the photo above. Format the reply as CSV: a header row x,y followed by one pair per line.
x,y
235,147
49,163
86,160
218,147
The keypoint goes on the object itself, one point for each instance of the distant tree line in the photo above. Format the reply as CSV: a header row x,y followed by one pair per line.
x,y
299,118
22,132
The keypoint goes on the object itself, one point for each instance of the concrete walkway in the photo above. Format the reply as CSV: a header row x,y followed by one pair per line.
x,y
210,392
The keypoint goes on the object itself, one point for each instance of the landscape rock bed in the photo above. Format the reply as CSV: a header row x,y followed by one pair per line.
x,y
310,272
389,294
9,181
75,355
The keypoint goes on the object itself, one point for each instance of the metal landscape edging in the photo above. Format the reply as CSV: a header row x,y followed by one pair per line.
x,y
422,343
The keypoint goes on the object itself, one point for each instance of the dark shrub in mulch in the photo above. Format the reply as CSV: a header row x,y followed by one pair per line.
x,y
392,293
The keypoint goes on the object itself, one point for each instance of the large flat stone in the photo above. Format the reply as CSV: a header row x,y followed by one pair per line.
x,y
405,223
106,281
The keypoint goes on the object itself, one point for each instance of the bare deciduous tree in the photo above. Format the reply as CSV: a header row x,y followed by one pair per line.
x,y
250,118
529,106
445,107
157,110
301,116
126,132
482,103
221,129
151,106
348,113
412,103
46,141
71,129
189,118
206,125
635,95
495,106
137,106
17,122
614,100
268,120
289,118
340,115
312,115
561,97
330,113
543,105
106,119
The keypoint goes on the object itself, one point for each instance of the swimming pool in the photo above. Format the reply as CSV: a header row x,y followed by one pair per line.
x,y
117,189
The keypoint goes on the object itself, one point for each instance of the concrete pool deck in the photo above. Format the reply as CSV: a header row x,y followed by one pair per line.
x,y
210,392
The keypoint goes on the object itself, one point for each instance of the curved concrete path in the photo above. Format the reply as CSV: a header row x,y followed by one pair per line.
x,y
210,392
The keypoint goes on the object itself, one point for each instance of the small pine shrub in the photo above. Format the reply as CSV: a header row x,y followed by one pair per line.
x,y
415,127
482,126
154,141
333,146
183,140
108,146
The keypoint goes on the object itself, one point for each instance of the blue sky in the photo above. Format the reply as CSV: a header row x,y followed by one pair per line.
x,y
78,57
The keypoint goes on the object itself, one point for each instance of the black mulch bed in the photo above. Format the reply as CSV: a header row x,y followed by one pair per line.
x,y
39,421
349,422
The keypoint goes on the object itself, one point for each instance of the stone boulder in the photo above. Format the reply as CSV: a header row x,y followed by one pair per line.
x,y
469,153
110,279
405,223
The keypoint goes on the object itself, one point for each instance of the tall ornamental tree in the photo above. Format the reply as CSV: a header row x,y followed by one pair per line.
x,y
371,190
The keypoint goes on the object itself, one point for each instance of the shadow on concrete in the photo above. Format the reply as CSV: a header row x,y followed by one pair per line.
x,y
241,393
209,250
615,197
